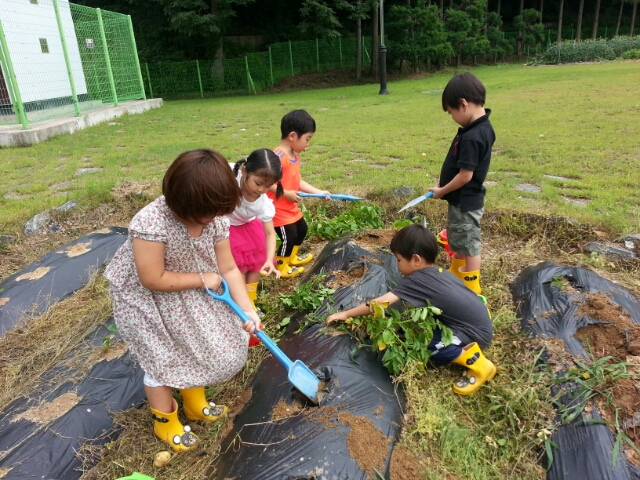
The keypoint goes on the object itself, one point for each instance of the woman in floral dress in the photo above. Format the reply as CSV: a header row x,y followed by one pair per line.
x,y
182,337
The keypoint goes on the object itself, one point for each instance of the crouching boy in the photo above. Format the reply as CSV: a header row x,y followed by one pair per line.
x,y
415,249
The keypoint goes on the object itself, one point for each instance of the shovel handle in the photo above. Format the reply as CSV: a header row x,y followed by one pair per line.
x,y
273,348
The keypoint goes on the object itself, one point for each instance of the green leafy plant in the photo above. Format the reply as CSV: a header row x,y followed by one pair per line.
x,y
106,341
403,336
558,281
594,380
631,54
308,297
360,216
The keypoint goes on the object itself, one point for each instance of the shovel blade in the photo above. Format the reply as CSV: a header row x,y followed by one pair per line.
x,y
416,201
304,380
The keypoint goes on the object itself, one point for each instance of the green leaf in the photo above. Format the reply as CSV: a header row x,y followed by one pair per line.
x,y
112,328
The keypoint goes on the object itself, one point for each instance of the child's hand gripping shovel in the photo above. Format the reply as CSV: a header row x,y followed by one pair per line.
x,y
299,374
333,196
416,201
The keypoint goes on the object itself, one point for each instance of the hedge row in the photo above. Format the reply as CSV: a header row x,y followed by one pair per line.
x,y
589,50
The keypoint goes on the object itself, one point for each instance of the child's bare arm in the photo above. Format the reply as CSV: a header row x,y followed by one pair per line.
x,y
308,188
462,178
149,259
362,309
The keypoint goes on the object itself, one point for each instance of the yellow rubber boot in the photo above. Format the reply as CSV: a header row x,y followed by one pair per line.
x,y
168,428
252,290
196,407
296,261
472,281
456,263
286,270
480,369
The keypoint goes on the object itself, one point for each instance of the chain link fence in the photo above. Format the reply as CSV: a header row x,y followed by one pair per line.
x,y
253,73
59,59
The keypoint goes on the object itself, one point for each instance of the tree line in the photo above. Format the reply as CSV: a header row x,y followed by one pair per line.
x,y
417,32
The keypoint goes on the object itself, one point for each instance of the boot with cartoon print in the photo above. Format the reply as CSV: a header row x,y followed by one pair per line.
x,y
168,428
196,407
480,369
297,260
286,270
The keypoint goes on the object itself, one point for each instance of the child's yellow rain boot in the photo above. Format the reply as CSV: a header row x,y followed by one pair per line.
x,y
286,270
472,281
168,428
456,263
480,369
196,407
252,290
296,260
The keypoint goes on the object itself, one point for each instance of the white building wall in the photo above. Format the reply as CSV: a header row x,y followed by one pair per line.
x,y
41,76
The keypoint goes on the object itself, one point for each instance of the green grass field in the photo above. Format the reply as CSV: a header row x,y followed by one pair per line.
x,y
574,121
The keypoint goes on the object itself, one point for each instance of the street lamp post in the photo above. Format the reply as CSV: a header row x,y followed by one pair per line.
x,y
383,54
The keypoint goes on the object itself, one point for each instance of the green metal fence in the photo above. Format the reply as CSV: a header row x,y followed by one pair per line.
x,y
252,73
59,59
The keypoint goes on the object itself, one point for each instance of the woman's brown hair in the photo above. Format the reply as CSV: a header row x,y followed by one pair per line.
x,y
200,184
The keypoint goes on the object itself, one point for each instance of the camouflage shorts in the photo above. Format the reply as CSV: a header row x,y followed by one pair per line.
x,y
463,231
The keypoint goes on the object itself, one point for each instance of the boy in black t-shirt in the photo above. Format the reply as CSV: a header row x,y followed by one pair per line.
x,y
415,249
463,173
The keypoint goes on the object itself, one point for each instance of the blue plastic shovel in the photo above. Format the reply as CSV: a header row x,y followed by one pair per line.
x,y
299,374
416,201
333,196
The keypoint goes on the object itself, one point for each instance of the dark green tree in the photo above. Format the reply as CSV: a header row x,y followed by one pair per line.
x,y
357,10
319,20
499,45
530,30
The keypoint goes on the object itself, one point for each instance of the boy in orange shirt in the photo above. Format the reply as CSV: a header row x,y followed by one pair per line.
x,y
297,128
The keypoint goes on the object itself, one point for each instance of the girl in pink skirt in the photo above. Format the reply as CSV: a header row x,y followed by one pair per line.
x,y
252,236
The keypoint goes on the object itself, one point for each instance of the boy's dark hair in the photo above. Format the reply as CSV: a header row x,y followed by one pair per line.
x,y
298,121
463,85
200,184
415,240
263,163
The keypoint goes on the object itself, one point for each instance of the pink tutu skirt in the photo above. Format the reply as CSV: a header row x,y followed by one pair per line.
x,y
248,245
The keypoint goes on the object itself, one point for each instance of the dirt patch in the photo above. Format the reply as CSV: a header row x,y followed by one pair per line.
x,y
48,412
366,443
616,336
138,189
403,465
375,238
284,410
559,357
328,79
4,300
35,275
379,410
341,279
77,249
99,354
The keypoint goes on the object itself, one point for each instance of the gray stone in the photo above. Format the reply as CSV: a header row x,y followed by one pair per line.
x,y
634,239
61,185
556,177
581,202
432,91
373,165
82,171
6,240
527,187
610,251
490,183
12,196
37,223
403,191
67,206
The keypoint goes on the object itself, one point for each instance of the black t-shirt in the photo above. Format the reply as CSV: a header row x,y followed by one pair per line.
x,y
462,311
471,150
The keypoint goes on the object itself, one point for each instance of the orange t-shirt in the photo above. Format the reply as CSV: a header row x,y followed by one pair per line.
x,y
287,212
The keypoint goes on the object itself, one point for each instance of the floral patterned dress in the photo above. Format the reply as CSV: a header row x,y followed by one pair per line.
x,y
181,339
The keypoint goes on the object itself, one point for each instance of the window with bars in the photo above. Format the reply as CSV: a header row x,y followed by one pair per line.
x,y
44,46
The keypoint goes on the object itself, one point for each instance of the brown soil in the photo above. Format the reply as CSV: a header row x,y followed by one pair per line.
x,y
342,279
375,238
560,359
404,466
48,412
619,338
366,443
328,79
284,410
